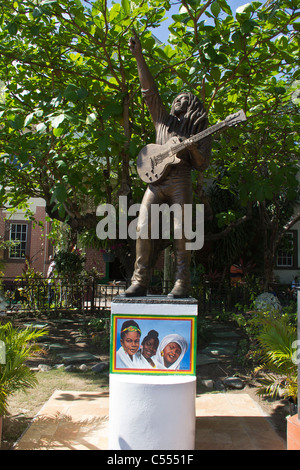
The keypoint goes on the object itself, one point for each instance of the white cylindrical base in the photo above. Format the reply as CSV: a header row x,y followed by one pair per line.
x,y
152,412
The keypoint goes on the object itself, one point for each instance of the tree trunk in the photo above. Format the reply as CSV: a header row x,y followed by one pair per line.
x,y
168,266
125,188
269,260
269,236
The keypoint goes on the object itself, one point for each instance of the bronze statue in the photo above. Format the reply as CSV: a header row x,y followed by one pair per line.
x,y
186,118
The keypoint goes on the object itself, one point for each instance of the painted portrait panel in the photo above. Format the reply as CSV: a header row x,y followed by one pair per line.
x,y
153,344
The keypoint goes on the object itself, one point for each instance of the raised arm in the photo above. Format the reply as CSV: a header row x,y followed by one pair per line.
x,y
149,88
145,76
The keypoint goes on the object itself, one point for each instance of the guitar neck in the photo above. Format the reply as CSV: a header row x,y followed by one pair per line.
x,y
195,138
152,156
190,141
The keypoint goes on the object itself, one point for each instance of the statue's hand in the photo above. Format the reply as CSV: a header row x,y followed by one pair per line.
x,y
135,45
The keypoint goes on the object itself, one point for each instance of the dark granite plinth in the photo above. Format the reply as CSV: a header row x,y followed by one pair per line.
x,y
154,299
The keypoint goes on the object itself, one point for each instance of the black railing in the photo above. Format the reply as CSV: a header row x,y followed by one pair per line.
x,y
91,296
215,298
42,294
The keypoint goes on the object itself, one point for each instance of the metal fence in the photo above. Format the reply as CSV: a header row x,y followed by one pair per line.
x,y
92,296
41,295
213,297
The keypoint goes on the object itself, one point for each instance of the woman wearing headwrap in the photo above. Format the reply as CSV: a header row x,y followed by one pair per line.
x,y
146,354
170,351
130,342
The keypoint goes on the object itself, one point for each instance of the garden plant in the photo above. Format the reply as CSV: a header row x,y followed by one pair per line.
x,y
19,345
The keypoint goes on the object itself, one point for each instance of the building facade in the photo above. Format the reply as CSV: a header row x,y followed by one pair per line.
x,y
287,264
29,240
32,244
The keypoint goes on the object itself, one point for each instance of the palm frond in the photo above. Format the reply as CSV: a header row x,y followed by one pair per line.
x,y
14,374
279,369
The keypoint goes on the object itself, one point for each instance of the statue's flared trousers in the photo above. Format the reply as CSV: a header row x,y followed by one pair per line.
x,y
175,192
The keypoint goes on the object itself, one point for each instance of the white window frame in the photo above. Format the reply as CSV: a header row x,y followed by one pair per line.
x,y
20,234
286,259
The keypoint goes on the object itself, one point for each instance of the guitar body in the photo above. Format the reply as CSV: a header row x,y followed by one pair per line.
x,y
154,161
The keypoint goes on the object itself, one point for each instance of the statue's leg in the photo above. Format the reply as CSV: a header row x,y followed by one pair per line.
x,y
144,247
181,194
182,284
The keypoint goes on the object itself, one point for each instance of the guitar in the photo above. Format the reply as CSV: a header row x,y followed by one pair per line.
x,y
154,160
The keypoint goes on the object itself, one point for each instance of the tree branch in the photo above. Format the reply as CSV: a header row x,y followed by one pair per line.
x,y
217,236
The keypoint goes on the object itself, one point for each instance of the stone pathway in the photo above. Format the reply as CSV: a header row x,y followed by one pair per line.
x,y
71,356
79,420
222,345
74,420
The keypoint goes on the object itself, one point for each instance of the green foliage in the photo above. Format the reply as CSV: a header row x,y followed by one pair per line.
x,y
30,283
249,60
281,369
69,264
71,115
269,346
255,322
14,374
245,355
98,324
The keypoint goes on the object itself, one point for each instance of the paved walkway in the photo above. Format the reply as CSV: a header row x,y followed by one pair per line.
x,y
79,421
75,420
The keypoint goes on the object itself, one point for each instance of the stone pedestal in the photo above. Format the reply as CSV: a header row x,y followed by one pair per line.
x,y
152,413
153,408
293,433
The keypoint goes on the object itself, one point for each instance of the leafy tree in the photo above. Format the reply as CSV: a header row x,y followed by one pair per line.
x,y
250,62
72,118
69,265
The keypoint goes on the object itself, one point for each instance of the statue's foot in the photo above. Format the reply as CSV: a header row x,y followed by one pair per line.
x,y
179,291
136,290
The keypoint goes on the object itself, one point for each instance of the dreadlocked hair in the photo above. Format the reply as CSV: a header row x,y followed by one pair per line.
x,y
195,119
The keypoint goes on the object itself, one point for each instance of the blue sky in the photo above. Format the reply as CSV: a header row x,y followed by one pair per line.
x,y
162,32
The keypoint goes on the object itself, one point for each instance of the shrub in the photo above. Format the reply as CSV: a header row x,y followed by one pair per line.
x,y
278,363
14,374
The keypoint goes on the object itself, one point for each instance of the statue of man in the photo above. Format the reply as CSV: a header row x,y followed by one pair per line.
x,y
186,118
